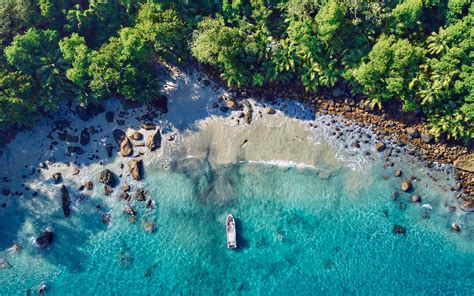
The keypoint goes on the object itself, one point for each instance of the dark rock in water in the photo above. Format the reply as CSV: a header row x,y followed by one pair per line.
x,y
455,227
118,136
394,195
4,264
125,187
149,226
82,113
43,165
415,198
413,133
153,142
105,218
109,147
148,126
161,104
95,109
124,196
126,147
42,289
136,166
85,137
140,194
89,185
57,177
468,206
129,211
75,149
398,229
224,109
402,205
406,186
108,190
65,201
427,138
45,239
109,116
6,191
128,104
379,146
108,178
149,203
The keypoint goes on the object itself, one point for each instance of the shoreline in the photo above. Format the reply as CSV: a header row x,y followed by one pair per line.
x,y
382,126
407,131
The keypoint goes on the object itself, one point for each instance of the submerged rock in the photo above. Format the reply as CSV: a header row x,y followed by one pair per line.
x,y
108,149
108,178
135,167
65,201
45,239
4,264
153,142
398,229
149,226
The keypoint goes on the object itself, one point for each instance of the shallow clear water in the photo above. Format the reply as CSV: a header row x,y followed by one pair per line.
x,y
297,234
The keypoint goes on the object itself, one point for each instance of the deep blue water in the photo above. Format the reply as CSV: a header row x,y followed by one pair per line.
x,y
297,234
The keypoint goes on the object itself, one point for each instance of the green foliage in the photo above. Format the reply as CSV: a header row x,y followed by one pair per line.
x,y
16,16
391,66
17,104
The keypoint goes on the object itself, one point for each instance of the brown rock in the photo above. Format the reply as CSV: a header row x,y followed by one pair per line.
x,y
379,146
406,186
153,142
271,111
108,190
148,126
468,206
125,187
89,185
455,227
398,173
126,147
137,136
398,229
149,226
135,167
140,194
75,171
465,163
415,198
57,178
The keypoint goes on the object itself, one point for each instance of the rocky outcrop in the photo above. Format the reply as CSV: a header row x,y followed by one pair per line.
x,y
107,178
153,142
465,163
415,198
85,137
65,201
126,147
136,166
468,206
45,239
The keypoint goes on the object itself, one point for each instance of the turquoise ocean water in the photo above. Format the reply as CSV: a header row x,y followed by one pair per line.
x,y
297,234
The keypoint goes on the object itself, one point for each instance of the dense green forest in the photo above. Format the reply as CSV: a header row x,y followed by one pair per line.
x,y
419,52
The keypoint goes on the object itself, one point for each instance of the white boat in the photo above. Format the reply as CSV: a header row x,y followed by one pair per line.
x,y
231,233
